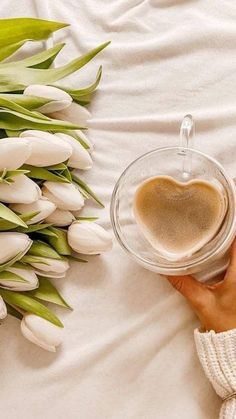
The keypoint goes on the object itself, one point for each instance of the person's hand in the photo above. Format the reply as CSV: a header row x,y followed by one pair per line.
x,y
215,305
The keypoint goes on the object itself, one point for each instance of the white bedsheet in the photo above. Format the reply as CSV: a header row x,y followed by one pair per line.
x,y
128,351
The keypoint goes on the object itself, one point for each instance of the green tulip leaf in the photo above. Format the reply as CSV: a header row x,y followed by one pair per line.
x,y
32,228
13,312
10,277
30,305
18,78
46,232
12,120
41,60
23,29
47,292
7,214
84,187
43,174
41,249
87,218
20,265
8,50
77,259
79,94
59,243
59,166
28,102
34,259
7,225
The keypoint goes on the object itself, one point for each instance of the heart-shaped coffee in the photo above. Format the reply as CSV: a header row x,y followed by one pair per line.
x,y
178,218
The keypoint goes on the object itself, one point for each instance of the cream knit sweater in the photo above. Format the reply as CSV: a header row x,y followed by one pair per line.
x,y
217,354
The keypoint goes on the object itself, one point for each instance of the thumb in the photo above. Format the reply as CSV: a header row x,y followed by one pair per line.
x,y
194,291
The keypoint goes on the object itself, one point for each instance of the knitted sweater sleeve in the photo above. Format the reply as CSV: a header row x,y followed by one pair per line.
x,y
217,354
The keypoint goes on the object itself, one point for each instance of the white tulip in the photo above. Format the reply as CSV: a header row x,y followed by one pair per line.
x,y
60,218
46,149
54,266
11,244
13,152
27,274
22,190
80,158
60,99
43,206
41,332
88,238
83,137
3,309
64,195
76,114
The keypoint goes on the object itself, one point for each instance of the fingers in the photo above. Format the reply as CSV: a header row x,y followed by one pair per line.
x,y
190,288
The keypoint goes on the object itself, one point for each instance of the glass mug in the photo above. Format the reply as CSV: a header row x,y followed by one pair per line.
x,y
183,164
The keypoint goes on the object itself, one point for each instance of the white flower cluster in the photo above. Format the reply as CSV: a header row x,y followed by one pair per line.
x,y
38,187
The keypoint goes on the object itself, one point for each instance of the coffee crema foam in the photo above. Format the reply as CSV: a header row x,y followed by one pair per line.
x,y
178,218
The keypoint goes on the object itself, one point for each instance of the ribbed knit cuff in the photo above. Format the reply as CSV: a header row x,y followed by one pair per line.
x,y
217,354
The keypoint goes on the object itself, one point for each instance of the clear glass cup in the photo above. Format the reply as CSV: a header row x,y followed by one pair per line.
x,y
183,164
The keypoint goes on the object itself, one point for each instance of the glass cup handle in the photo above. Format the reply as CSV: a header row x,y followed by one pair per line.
x,y
187,132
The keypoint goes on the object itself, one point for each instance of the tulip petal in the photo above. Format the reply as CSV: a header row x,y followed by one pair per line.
x,y
22,190
43,207
60,99
60,218
44,332
80,158
64,195
3,309
88,238
26,332
47,150
11,244
19,148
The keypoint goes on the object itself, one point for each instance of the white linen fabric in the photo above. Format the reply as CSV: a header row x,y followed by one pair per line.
x,y
128,351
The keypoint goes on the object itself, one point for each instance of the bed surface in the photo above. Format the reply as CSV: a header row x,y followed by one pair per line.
x,y
128,351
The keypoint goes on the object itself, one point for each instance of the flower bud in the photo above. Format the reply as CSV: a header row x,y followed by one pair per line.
x,y
88,238
3,309
46,149
43,206
80,158
11,244
22,190
17,147
51,267
27,274
60,99
60,218
76,114
41,332
64,195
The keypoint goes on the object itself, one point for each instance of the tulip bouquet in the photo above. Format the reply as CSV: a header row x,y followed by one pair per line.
x,y
40,190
